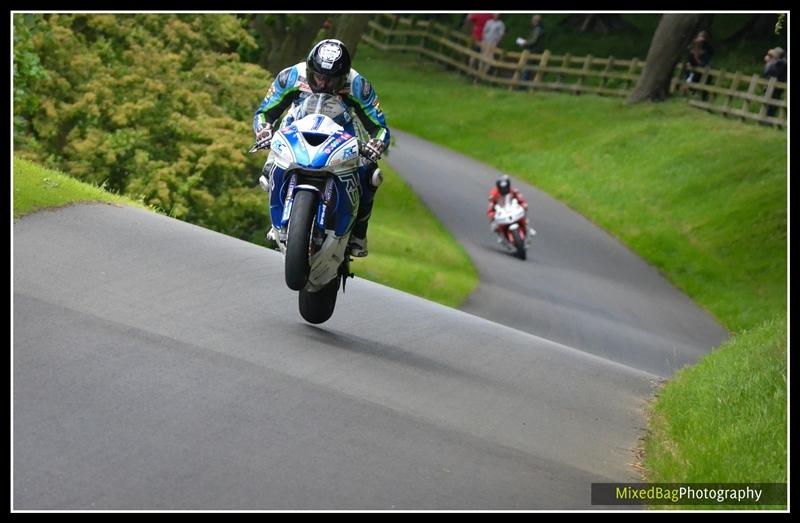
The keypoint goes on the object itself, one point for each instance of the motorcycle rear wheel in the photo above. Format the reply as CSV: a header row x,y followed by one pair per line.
x,y
317,307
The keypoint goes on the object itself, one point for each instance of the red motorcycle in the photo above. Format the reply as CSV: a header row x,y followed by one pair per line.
x,y
508,223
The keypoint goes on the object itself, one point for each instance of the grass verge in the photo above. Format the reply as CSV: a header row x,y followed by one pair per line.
x,y
411,251
725,419
37,188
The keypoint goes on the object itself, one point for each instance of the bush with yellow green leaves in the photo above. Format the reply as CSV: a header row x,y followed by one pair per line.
x,y
157,106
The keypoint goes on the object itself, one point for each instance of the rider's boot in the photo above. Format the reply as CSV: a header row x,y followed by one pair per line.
x,y
358,236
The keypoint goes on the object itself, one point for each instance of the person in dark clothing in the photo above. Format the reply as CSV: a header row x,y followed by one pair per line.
x,y
534,43
775,67
700,53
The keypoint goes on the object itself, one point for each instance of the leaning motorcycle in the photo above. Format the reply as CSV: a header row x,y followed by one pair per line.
x,y
314,194
511,234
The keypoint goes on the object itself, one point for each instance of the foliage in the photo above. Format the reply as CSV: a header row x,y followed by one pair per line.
x,y
28,74
154,106
702,198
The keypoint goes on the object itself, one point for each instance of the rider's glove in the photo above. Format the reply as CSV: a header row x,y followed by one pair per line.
x,y
263,136
373,149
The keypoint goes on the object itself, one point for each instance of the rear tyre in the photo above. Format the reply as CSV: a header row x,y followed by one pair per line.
x,y
519,243
317,307
298,240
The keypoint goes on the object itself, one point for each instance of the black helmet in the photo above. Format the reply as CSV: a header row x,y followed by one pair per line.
x,y
503,184
328,66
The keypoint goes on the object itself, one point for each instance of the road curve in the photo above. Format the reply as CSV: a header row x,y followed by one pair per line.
x,y
159,365
579,286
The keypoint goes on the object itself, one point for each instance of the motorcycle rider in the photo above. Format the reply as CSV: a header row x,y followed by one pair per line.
x,y
502,187
327,69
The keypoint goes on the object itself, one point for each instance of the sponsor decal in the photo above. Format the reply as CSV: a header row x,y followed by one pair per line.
x,y
351,184
349,152
366,89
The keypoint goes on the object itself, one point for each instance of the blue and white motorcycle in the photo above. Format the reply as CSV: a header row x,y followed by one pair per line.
x,y
314,194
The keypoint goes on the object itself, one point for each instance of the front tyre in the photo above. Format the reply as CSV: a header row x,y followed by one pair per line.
x,y
317,307
298,241
519,244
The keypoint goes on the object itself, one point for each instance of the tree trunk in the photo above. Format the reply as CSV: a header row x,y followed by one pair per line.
x,y
673,34
286,38
349,29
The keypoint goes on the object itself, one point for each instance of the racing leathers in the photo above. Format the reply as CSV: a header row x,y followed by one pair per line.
x,y
291,87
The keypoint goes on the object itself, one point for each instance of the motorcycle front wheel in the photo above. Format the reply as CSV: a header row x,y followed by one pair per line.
x,y
519,244
298,239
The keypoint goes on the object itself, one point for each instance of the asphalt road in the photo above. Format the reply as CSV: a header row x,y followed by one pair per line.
x,y
579,286
161,366
158,365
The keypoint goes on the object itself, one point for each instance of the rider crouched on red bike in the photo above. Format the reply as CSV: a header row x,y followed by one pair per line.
x,y
502,187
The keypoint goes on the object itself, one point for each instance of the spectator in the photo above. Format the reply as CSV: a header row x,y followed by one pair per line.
x,y
478,21
493,32
775,67
700,53
534,43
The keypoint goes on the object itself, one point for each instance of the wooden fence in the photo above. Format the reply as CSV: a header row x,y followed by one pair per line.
x,y
718,91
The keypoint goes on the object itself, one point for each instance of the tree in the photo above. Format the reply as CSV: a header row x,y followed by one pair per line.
x,y
285,39
349,28
673,34
757,26
602,23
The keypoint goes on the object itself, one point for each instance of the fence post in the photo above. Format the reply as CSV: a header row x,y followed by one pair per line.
x,y
631,71
726,107
587,63
436,39
604,78
408,35
762,114
718,84
523,61
392,28
750,91
539,78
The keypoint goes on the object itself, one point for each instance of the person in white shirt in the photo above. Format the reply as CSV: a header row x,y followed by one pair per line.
x,y
493,32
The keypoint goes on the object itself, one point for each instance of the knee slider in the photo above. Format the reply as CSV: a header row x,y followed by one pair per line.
x,y
376,180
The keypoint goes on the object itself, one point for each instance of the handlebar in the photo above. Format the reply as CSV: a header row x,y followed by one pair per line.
x,y
255,147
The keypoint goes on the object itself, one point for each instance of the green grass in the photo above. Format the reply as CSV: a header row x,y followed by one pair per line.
x,y
735,430
700,197
411,251
37,188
